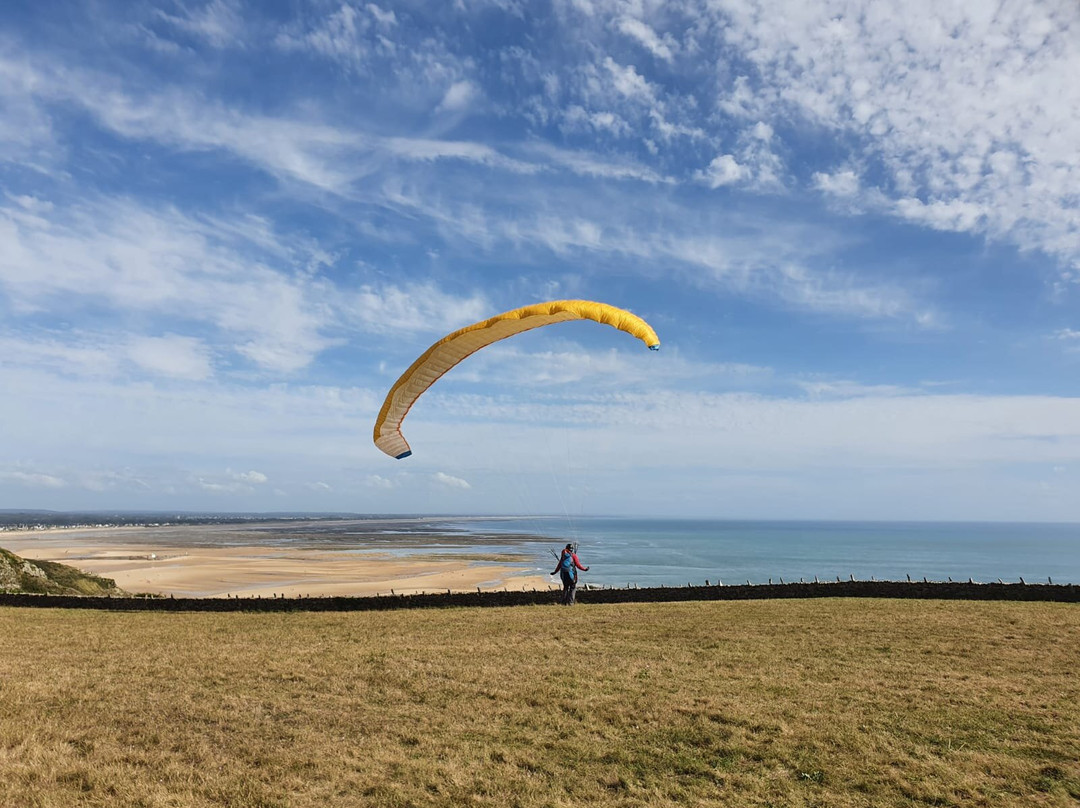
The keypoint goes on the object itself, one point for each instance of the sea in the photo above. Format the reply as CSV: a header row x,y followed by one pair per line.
x,y
676,552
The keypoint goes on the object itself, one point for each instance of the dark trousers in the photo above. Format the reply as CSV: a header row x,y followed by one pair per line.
x,y
569,588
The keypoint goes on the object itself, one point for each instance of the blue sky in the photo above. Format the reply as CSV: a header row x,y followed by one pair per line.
x,y
226,228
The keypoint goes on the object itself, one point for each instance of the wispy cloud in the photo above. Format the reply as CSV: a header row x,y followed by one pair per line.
x,y
1069,337
412,307
33,479
592,370
741,432
731,253
841,426
450,481
172,355
223,230
588,164
755,165
135,259
297,148
219,23
983,151
351,35
253,477
660,47
257,295
947,111
379,481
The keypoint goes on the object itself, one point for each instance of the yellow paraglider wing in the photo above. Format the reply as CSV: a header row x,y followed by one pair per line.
x,y
453,348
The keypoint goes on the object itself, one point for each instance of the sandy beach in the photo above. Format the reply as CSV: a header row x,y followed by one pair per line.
x,y
251,560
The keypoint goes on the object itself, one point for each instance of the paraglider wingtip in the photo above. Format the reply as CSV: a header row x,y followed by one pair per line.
x,y
655,347
403,455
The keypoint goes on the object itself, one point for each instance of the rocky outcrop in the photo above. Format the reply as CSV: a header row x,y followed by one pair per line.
x,y
23,576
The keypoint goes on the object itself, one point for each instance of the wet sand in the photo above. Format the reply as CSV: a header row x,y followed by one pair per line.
x,y
268,559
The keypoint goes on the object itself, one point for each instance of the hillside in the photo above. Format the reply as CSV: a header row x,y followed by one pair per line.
x,y
50,578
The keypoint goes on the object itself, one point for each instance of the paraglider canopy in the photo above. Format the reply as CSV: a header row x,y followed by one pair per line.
x,y
454,347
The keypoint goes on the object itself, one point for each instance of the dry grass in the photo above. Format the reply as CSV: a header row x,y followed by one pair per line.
x,y
793,703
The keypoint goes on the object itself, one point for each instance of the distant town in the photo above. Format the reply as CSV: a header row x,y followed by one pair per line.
x,y
11,520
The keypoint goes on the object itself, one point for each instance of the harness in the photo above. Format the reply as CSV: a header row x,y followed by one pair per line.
x,y
566,562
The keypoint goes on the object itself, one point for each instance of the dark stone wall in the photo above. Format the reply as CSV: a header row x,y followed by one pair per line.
x,y
1062,593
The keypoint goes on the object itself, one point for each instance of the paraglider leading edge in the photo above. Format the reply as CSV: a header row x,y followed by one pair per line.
x,y
430,366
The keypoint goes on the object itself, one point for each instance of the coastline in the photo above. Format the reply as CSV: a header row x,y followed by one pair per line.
x,y
357,555
206,561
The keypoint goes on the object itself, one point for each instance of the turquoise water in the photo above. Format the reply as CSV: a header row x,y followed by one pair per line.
x,y
655,552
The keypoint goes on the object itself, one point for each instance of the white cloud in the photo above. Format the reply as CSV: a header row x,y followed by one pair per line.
x,y
289,433
231,482
383,17
77,354
588,164
34,479
450,481
145,330
727,252
289,149
1070,337
668,430
90,354
851,389
99,480
421,149
459,96
296,148
218,22
607,99
952,214
989,150
422,67
254,477
220,487
963,117
659,47
27,136
347,35
627,82
754,165
630,366
724,170
578,119
668,130
513,367
134,259
32,204
172,355
412,307
841,183
163,436
967,107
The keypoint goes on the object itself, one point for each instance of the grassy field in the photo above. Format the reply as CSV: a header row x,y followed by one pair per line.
x,y
785,703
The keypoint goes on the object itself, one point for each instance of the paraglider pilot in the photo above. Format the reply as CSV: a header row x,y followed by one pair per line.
x,y
567,569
